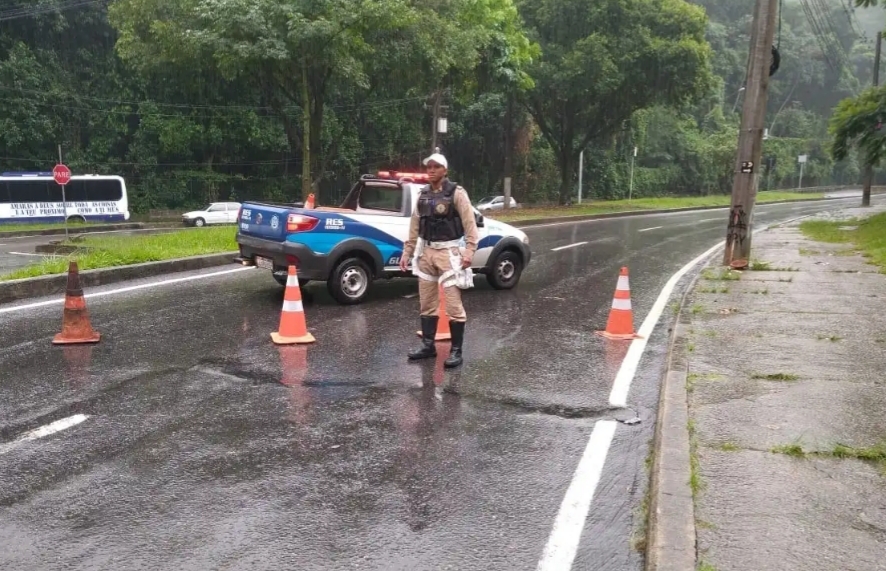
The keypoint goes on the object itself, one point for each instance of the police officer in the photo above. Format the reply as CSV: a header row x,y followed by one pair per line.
x,y
442,218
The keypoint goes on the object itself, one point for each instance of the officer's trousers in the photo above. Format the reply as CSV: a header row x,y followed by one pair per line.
x,y
434,263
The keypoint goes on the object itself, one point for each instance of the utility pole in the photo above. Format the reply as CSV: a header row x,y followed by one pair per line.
x,y
509,151
750,137
631,187
581,168
869,170
436,126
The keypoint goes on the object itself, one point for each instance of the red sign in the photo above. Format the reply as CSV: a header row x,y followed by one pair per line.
x,y
61,174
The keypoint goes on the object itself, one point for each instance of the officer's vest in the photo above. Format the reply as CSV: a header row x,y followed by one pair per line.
x,y
439,220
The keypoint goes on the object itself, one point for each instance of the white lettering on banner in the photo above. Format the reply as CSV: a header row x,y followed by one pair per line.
x,y
34,209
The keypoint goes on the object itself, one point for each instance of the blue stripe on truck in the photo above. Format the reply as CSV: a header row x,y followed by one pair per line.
x,y
335,228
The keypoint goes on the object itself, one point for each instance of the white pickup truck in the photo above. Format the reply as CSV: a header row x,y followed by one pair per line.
x,y
362,240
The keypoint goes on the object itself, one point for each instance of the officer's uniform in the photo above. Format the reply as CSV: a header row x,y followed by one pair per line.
x,y
441,219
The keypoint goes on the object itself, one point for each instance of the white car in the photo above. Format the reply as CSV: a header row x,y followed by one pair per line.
x,y
495,203
215,213
350,246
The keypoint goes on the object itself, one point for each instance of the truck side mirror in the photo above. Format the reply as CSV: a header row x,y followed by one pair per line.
x,y
480,220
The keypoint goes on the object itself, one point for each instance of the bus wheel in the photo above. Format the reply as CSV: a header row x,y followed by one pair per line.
x,y
77,219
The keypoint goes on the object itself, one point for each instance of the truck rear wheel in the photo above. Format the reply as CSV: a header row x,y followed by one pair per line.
x,y
350,281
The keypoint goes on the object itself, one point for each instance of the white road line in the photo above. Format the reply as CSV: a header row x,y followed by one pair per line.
x,y
27,254
569,246
563,542
126,289
621,386
619,394
708,220
648,229
44,431
565,536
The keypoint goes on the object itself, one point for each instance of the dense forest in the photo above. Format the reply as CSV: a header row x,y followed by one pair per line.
x,y
199,100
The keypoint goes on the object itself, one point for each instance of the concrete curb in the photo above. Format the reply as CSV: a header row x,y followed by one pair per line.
x,y
43,286
627,213
670,539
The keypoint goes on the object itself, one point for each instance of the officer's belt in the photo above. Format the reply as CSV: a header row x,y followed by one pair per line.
x,y
443,245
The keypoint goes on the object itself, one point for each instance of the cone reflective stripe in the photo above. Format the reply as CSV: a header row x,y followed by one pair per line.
x,y
621,315
443,331
293,326
76,327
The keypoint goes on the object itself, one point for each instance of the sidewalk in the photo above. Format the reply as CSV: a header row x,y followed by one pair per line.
x,y
787,404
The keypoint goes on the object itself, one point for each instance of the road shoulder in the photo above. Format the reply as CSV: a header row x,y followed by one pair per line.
x,y
44,286
779,371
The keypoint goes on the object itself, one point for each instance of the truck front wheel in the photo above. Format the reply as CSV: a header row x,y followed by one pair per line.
x,y
350,281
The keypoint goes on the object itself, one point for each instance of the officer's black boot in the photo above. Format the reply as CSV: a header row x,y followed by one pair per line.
x,y
428,333
458,336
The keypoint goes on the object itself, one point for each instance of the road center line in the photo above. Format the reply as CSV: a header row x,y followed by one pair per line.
x,y
648,229
708,220
568,246
44,431
127,289
563,542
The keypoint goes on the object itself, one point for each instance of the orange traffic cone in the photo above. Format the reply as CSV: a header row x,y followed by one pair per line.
x,y
443,331
293,327
309,203
621,317
76,327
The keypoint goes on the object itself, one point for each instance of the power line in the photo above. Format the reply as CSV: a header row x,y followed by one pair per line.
x,y
345,106
26,12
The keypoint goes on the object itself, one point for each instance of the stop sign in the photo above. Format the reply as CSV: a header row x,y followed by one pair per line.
x,y
61,174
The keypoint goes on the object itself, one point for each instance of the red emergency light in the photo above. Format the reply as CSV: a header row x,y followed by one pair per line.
x,y
396,175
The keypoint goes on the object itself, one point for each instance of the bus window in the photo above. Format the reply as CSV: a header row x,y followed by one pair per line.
x,y
29,191
4,193
104,190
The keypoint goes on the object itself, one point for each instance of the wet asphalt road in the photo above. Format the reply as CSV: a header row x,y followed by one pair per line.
x,y
207,447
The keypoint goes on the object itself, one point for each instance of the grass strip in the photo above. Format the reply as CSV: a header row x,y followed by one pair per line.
x,y
72,226
113,251
640,204
868,235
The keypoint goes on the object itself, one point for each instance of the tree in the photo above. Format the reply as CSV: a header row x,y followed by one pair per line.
x,y
858,122
605,59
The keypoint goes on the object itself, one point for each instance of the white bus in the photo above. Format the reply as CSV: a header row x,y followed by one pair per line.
x,y
34,197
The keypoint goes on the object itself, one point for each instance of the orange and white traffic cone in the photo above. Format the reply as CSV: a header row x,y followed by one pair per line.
x,y
309,203
293,326
443,331
76,327
621,316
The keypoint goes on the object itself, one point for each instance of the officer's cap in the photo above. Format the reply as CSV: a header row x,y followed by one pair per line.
x,y
437,158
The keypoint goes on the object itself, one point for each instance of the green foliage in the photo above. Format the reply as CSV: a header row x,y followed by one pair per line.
x,y
200,100
604,61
